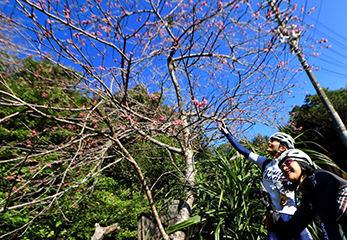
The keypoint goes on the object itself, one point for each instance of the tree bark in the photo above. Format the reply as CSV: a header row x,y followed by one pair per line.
x,y
185,211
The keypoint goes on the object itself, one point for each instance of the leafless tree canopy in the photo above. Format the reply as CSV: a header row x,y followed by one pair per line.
x,y
202,60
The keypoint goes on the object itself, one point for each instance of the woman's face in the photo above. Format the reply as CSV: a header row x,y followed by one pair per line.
x,y
291,170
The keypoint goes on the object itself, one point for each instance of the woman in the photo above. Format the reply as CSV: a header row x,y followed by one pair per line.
x,y
284,200
323,193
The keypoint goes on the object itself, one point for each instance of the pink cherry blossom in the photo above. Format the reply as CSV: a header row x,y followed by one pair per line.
x,y
203,102
178,122
196,102
33,133
152,96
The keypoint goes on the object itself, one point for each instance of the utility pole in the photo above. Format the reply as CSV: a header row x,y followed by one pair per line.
x,y
290,35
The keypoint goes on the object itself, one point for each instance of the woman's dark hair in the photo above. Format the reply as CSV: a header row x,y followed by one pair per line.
x,y
306,168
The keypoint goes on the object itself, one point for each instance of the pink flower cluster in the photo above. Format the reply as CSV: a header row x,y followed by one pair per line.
x,y
152,96
33,133
178,122
10,177
199,104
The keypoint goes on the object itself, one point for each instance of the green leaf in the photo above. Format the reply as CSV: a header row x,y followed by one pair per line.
x,y
191,221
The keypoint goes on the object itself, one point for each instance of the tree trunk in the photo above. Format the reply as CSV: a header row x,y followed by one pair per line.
x,y
185,211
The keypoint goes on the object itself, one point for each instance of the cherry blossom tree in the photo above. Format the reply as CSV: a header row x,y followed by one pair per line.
x,y
195,61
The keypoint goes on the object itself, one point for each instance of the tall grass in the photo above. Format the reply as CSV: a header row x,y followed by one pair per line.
x,y
226,206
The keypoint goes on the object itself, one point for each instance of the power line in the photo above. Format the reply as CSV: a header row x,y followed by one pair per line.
x,y
334,62
333,72
320,7
332,39
329,29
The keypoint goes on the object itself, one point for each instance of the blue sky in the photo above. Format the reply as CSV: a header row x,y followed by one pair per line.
x,y
329,20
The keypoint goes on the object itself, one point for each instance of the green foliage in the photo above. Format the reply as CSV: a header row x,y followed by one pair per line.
x,y
315,127
102,206
156,162
116,197
33,82
106,208
26,132
225,202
